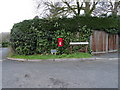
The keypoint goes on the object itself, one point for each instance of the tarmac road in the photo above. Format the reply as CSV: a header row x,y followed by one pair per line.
x,y
4,52
0,68
73,74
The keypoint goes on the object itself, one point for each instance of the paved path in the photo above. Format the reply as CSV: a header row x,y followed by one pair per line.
x,y
107,55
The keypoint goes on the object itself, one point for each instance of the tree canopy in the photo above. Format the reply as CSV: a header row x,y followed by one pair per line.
x,y
66,8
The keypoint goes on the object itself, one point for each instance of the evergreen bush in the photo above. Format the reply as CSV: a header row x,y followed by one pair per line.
x,y
39,36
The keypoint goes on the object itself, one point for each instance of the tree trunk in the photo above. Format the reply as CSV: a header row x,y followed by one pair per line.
x,y
114,11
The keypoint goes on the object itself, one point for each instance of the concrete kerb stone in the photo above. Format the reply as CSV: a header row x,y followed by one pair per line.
x,y
16,59
74,59
65,59
106,58
32,60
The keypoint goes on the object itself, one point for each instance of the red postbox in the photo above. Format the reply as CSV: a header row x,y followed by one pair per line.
x,y
60,42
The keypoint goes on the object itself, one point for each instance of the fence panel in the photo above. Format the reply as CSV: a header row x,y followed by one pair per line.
x,y
112,42
102,42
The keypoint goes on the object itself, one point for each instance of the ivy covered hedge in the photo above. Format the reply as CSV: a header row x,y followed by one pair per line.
x,y
39,36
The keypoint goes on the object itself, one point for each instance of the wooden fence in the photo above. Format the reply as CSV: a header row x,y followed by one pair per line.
x,y
102,42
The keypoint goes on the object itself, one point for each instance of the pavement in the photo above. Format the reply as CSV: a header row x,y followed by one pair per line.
x,y
48,74
107,55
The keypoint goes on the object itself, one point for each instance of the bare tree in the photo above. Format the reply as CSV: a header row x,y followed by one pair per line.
x,y
105,8
115,7
66,8
4,36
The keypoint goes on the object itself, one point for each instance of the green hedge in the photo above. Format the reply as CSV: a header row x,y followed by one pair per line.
x,y
24,37
39,36
5,44
107,24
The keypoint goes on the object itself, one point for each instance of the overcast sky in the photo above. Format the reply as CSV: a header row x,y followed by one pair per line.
x,y
14,11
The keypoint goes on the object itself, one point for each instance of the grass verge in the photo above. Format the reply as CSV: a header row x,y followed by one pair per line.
x,y
75,55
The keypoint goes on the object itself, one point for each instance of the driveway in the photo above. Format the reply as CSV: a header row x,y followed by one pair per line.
x,y
107,55
73,74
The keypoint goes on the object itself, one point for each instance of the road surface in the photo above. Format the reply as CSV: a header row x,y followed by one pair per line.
x,y
73,74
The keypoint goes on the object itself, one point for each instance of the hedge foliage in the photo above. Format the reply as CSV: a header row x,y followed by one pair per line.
x,y
108,24
5,44
39,36
23,37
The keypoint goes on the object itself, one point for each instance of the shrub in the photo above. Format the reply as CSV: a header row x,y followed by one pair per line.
x,y
40,35
5,44
23,37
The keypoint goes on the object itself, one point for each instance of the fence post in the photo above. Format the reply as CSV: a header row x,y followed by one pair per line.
x,y
117,42
106,42
91,42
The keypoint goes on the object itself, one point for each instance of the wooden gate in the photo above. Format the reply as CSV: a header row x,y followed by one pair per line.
x,y
102,42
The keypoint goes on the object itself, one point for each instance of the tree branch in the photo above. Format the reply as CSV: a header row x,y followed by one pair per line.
x,y
70,7
93,7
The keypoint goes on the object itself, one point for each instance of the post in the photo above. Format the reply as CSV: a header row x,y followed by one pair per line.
x,y
117,42
106,43
86,49
91,40
71,49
